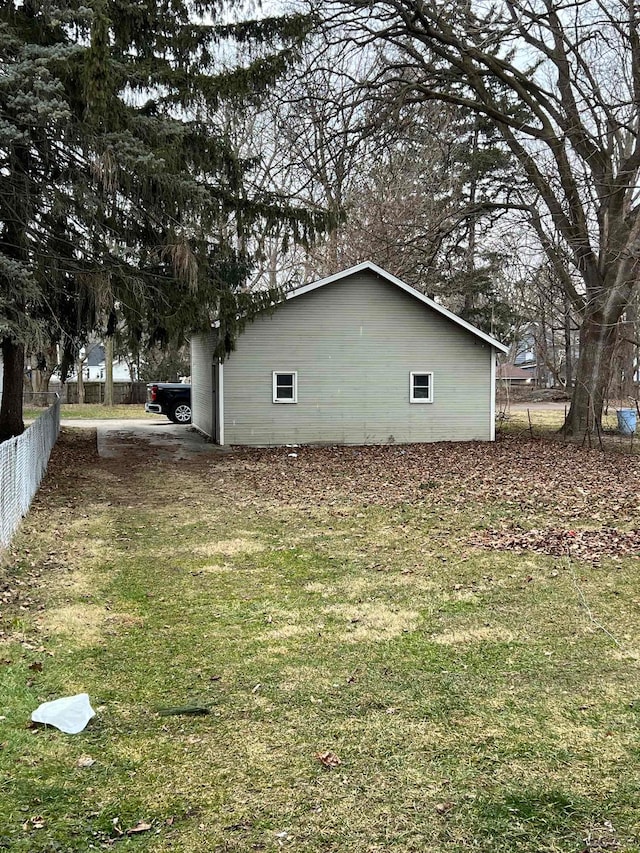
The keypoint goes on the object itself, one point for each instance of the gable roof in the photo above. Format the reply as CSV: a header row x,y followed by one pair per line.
x,y
369,266
96,355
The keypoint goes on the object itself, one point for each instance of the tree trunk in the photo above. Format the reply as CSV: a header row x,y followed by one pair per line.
x,y
108,372
40,380
541,349
80,385
629,351
11,422
568,344
597,343
45,364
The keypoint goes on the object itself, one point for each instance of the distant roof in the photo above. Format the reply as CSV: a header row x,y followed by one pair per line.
x,y
369,266
512,371
95,356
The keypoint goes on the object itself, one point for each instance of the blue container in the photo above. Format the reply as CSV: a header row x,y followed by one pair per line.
x,y
626,421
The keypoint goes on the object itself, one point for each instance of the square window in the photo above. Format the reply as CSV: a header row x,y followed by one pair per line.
x,y
420,387
285,386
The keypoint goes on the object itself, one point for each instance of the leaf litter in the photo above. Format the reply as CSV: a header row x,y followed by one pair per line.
x,y
589,545
570,481
531,480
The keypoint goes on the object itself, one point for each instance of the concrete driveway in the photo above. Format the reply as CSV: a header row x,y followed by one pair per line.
x,y
169,441
121,437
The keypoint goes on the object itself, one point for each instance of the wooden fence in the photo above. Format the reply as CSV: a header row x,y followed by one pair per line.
x,y
134,393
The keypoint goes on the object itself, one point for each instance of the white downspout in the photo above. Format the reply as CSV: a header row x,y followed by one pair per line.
x,y
492,405
220,397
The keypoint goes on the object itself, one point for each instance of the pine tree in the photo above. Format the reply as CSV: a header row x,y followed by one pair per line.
x,y
118,190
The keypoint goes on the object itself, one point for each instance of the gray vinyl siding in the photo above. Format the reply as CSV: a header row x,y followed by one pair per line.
x,y
353,344
202,396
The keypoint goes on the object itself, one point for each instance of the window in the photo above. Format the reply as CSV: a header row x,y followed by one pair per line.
x,y
285,387
420,387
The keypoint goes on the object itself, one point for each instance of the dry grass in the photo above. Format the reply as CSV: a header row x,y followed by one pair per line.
x,y
229,547
548,423
93,411
371,621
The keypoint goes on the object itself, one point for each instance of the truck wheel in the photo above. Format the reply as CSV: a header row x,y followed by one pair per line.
x,y
181,414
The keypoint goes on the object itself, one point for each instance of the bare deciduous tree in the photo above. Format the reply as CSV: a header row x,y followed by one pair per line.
x,y
561,83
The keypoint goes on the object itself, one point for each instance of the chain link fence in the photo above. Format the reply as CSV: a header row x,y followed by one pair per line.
x,y
23,462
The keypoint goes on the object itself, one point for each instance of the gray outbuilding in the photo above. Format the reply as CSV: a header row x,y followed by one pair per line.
x,y
359,357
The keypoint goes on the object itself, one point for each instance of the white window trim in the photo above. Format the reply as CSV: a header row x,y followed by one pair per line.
x,y
428,399
274,377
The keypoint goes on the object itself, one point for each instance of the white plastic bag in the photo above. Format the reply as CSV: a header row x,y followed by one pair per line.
x,y
69,714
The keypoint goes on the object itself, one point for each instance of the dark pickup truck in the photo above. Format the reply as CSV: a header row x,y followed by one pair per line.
x,y
172,399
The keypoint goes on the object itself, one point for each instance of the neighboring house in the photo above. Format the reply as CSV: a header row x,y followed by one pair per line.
x,y
527,353
356,358
94,366
515,375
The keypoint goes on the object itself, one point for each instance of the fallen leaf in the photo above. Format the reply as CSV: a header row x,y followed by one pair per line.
x,y
328,759
443,808
85,761
141,826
